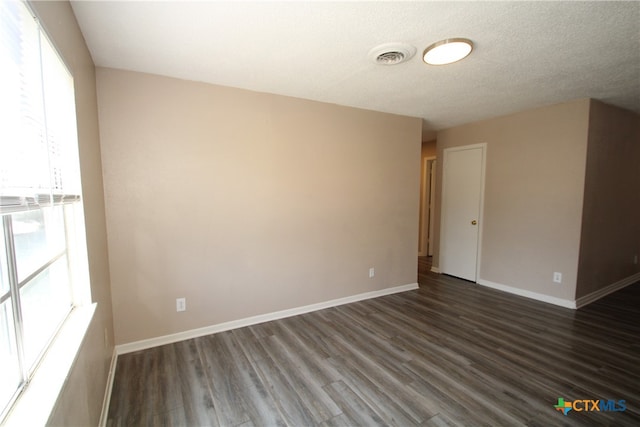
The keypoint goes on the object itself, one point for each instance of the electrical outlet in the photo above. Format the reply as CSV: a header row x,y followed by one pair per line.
x,y
372,272
181,304
557,277
635,259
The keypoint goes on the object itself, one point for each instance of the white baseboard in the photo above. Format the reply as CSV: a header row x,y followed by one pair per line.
x,y
529,294
580,302
435,270
107,392
254,320
596,295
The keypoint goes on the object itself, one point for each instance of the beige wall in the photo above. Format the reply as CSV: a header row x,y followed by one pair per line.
x,y
80,402
533,198
429,149
247,203
611,214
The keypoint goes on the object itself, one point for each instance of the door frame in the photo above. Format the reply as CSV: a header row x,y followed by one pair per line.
x,y
427,215
432,206
443,219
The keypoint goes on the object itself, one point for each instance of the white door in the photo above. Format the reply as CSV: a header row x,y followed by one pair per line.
x,y
462,190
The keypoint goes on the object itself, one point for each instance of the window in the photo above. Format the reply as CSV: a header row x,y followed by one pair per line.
x,y
41,219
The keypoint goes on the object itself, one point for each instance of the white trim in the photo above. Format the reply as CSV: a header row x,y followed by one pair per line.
x,y
435,269
529,294
423,215
107,393
596,295
40,397
483,180
254,320
432,207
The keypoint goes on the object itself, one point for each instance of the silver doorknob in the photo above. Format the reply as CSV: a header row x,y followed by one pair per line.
x,y
474,222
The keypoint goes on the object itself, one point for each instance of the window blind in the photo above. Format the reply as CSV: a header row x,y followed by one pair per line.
x,y
38,140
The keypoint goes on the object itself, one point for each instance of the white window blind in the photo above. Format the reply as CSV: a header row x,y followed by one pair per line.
x,y
38,141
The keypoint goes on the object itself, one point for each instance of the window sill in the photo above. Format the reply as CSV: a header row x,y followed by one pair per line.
x,y
34,406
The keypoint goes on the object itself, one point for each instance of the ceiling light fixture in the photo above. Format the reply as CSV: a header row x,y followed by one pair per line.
x,y
392,53
447,51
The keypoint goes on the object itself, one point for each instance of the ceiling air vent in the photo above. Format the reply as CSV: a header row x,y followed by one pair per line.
x,y
391,53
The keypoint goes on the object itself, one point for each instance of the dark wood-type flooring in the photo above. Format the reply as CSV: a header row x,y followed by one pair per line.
x,y
450,353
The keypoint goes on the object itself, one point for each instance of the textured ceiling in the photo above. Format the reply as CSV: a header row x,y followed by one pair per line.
x,y
527,54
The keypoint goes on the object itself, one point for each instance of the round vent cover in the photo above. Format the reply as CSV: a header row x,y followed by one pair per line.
x,y
391,53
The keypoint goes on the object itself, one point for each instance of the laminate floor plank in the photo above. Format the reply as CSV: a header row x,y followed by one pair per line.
x,y
369,350
484,401
439,420
450,353
404,408
454,407
193,386
338,421
251,344
354,408
296,329
307,386
259,405
288,401
227,391
307,358
475,380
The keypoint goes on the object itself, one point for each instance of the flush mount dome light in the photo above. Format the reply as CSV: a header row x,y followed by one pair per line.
x,y
391,53
447,51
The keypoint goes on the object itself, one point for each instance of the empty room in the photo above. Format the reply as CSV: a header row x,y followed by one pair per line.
x,y
230,213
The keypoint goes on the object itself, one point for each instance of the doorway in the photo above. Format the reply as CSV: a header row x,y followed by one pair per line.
x,y
427,206
463,172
